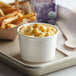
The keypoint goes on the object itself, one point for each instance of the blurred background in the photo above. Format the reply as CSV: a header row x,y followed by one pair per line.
x,y
66,3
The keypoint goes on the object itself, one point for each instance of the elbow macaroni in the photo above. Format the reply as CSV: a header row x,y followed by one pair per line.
x,y
38,30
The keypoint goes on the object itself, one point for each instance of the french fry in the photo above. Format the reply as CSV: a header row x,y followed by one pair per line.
x,y
1,13
17,21
30,17
23,22
20,3
27,16
9,10
22,11
20,14
4,5
10,26
7,16
27,7
17,4
2,27
9,20
13,14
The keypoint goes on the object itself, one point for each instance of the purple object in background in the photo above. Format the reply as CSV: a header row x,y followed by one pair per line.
x,y
46,11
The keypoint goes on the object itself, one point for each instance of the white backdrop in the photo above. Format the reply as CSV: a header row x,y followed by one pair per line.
x,y
65,3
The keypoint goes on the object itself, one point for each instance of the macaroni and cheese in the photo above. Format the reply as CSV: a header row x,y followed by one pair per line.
x,y
38,30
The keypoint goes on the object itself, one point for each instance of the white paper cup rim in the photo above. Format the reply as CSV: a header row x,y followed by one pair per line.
x,y
37,37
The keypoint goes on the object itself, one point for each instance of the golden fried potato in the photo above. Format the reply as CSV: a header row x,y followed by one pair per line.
x,y
4,5
1,13
10,26
9,20
14,14
8,10
17,4
7,16
20,3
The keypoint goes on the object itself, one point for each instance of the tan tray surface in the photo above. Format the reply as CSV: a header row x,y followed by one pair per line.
x,y
10,54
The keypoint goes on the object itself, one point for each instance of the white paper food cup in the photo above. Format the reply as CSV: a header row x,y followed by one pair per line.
x,y
37,49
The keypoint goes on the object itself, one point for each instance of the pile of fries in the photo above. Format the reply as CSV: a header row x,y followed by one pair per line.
x,y
14,14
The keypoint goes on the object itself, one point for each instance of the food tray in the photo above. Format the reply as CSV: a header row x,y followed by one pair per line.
x,y
10,54
60,62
